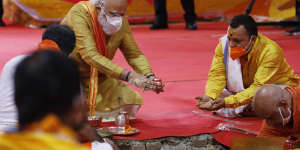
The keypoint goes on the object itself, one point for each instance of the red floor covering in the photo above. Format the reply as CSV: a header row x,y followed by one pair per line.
x,y
180,57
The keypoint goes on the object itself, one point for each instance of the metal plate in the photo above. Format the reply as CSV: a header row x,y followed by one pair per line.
x,y
119,130
104,133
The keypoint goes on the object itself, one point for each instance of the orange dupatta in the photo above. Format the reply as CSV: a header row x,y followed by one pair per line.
x,y
101,46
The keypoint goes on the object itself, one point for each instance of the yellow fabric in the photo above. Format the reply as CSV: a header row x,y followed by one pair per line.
x,y
47,134
265,64
142,10
86,54
111,90
281,14
44,8
93,91
13,14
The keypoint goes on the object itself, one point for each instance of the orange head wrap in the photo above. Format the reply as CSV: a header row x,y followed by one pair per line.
x,y
48,44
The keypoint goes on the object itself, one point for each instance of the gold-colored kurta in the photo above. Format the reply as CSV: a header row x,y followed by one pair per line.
x,y
265,64
86,54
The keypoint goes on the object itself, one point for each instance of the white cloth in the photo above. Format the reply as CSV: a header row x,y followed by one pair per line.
x,y
101,146
8,111
234,76
230,112
234,83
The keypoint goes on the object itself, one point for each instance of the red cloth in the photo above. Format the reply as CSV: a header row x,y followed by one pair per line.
x,y
225,137
177,55
178,116
186,123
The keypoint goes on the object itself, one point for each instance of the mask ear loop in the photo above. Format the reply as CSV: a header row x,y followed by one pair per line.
x,y
101,5
249,44
284,120
102,12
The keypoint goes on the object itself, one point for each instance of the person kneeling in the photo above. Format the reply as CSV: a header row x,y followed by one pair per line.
x,y
244,60
280,109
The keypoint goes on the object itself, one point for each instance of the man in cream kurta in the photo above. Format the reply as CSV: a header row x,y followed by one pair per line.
x,y
113,94
244,60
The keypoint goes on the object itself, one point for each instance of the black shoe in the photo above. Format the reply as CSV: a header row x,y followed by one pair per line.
x,y
2,24
156,26
293,31
191,26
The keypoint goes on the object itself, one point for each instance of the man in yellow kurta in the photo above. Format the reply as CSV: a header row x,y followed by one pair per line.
x,y
244,60
112,23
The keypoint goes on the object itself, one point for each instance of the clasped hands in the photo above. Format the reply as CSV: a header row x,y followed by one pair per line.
x,y
207,103
143,82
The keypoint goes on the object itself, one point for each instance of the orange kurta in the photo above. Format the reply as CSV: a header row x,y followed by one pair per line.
x,y
267,130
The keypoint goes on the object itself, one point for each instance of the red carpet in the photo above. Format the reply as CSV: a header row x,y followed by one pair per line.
x,y
180,57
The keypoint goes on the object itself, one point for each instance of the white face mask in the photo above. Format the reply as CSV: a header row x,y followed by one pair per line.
x,y
109,24
287,119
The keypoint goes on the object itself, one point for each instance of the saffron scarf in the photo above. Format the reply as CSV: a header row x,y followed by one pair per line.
x,y
101,46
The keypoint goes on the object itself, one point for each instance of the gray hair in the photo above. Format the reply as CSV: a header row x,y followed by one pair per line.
x,y
98,3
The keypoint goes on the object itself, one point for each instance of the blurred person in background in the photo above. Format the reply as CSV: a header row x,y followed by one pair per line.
x,y
57,38
49,104
1,14
161,14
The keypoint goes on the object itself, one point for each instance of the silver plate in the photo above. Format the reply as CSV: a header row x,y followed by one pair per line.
x,y
120,130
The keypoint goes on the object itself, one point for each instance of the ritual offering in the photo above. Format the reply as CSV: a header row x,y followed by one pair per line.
x,y
123,126
159,85
122,121
94,121
121,130
158,81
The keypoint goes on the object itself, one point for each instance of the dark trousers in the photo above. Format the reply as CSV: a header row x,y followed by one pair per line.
x,y
1,10
161,14
298,9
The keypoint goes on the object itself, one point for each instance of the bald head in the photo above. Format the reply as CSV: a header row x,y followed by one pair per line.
x,y
115,7
266,99
274,104
116,3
